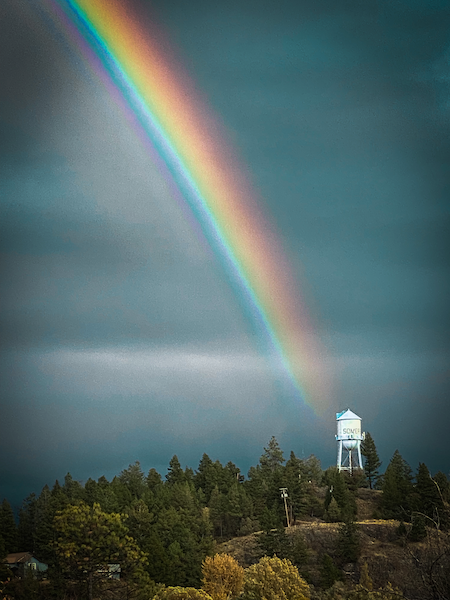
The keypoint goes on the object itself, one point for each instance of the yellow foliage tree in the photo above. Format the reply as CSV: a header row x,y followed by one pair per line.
x,y
223,578
274,579
181,593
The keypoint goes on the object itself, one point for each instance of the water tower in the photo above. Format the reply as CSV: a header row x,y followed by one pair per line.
x,y
349,438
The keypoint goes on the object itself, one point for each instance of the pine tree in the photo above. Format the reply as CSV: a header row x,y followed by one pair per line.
x,y
348,544
217,510
443,485
206,476
296,482
272,458
418,529
233,510
338,489
397,488
44,533
333,512
329,573
429,500
153,479
8,529
121,491
313,469
175,473
133,478
27,524
372,462
73,489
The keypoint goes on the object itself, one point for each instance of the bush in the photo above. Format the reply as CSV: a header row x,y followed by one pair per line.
x,y
418,530
274,579
181,593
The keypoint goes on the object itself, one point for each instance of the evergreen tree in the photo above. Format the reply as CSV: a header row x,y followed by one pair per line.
x,y
189,475
27,524
329,572
338,489
153,480
397,488
121,492
348,544
140,521
272,459
217,511
133,479
428,498
274,542
103,493
175,473
371,460
333,512
8,529
73,489
313,470
297,483
47,505
233,510
233,471
418,529
5,572
443,485
206,476
90,492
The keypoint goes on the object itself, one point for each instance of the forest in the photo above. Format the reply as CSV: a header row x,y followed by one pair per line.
x,y
287,530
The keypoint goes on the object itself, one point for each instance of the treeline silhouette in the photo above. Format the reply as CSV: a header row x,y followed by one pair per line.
x,y
170,525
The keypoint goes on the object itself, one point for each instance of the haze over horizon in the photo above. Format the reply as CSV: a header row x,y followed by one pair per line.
x,y
122,338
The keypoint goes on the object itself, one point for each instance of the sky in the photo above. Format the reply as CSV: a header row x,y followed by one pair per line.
x,y
123,337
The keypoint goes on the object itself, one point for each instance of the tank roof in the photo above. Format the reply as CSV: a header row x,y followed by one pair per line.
x,y
346,414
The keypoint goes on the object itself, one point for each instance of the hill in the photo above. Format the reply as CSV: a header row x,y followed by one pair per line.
x,y
419,569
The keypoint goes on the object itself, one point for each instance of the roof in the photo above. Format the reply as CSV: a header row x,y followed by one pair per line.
x,y
346,414
18,557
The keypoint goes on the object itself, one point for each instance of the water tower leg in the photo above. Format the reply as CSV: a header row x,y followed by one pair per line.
x,y
339,457
359,455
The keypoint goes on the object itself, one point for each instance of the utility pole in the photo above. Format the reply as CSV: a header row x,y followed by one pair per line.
x,y
284,495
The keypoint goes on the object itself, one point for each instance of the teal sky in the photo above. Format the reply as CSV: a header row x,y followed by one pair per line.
x,y
122,337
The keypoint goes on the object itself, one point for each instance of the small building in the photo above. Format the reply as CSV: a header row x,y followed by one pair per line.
x,y
21,562
110,571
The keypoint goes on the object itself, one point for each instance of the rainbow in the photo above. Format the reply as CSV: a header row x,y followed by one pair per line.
x,y
129,54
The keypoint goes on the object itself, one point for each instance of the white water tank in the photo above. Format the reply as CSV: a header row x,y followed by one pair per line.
x,y
348,429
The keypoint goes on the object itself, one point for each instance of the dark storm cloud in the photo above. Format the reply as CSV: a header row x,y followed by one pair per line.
x,y
122,338
342,111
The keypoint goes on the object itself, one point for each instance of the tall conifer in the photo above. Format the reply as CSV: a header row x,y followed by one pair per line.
x,y
371,460
397,488
272,458
8,529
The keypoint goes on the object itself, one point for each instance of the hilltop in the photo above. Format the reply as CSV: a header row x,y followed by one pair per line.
x,y
391,558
